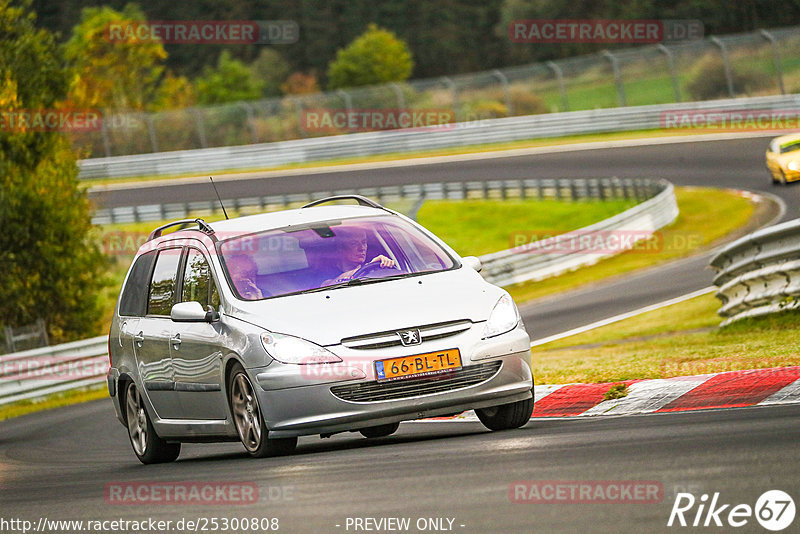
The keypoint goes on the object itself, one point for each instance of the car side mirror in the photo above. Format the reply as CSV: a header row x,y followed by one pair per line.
x,y
192,312
473,262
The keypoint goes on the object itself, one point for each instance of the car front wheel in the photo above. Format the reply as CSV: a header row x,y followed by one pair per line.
x,y
507,416
148,447
249,421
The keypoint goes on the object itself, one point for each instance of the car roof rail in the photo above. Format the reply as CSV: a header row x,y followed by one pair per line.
x,y
362,201
202,226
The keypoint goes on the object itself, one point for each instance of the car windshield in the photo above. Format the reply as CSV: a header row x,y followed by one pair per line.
x,y
790,147
329,253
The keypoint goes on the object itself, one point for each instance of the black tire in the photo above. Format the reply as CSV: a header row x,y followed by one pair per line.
x,y
783,178
507,416
147,446
380,431
249,421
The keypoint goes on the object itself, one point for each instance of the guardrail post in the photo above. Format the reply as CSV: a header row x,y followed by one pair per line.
x,y
104,136
398,93
776,58
454,93
506,92
522,193
617,76
201,127
298,104
348,101
552,65
726,63
148,119
251,120
672,72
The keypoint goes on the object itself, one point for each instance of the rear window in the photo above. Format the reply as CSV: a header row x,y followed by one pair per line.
x,y
133,302
297,259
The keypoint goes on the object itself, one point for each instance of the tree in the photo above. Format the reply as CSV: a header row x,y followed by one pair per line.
x,y
111,73
377,56
50,267
272,70
230,81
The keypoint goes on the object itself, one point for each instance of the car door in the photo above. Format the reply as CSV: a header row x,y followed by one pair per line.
x,y
151,341
197,348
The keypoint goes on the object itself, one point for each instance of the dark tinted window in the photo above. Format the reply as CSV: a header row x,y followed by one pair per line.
x,y
134,296
198,284
162,285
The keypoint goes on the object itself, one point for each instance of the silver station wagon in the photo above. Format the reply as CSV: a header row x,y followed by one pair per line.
x,y
324,319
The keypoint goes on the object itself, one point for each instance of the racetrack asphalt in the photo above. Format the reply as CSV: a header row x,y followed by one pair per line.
x,y
58,464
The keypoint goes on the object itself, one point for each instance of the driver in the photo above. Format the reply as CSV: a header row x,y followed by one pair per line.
x,y
243,272
351,248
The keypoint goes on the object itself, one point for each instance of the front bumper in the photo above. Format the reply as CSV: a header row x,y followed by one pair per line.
x,y
293,407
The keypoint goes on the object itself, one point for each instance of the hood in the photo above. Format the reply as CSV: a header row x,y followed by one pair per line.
x,y
326,317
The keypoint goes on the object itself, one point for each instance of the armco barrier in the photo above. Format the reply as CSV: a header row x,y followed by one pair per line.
x,y
39,372
759,273
259,156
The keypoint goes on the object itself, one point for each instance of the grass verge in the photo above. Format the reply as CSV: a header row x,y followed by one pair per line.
x,y
679,340
53,401
706,215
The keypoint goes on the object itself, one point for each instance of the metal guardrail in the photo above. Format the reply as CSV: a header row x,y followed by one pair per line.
x,y
556,189
759,273
39,372
524,263
259,156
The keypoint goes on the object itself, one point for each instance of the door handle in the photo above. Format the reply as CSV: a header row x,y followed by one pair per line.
x,y
139,339
175,340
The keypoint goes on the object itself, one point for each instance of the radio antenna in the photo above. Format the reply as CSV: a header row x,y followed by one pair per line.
x,y
220,200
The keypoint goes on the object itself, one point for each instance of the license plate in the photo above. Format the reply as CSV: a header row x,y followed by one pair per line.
x,y
428,364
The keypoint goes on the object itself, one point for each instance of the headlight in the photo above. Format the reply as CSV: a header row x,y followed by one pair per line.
x,y
290,349
504,317
794,165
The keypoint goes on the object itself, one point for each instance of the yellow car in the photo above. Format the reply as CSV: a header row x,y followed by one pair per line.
x,y
783,158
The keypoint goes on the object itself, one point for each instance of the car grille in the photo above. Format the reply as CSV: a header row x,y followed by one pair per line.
x,y
400,389
390,338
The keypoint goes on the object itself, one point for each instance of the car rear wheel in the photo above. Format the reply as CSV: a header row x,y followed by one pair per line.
x,y
380,431
506,416
249,421
148,447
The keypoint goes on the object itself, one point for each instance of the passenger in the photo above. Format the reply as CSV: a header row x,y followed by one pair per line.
x,y
243,271
351,248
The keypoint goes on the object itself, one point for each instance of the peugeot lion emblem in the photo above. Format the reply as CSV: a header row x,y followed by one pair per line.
x,y
410,337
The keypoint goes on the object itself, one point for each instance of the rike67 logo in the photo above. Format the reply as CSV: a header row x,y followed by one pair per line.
x,y
774,510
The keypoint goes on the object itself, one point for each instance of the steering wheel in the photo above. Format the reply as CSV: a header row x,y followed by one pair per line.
x,y
368,268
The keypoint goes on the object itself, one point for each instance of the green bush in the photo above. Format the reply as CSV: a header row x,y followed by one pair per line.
x,y
707,79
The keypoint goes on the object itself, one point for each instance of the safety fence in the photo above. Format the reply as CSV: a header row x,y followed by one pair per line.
x,y
731,66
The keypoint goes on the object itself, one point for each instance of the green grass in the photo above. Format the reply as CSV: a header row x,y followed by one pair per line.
x,y
477,227
678,340
706,215
17,409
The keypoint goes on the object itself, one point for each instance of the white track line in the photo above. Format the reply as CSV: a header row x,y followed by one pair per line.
x,y
622,316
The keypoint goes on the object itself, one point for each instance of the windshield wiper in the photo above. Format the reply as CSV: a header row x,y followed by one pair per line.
x,y
353,282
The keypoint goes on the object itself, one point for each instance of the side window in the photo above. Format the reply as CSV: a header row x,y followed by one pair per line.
x,y
162,285
198,284
133,301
